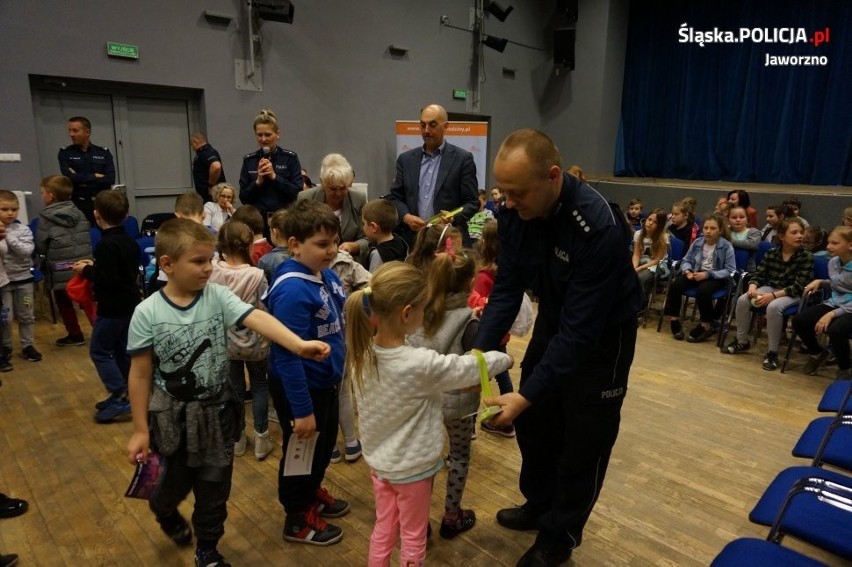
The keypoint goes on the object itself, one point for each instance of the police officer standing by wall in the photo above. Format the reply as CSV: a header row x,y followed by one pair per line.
x,y
89,167
562,239
271,177
207,170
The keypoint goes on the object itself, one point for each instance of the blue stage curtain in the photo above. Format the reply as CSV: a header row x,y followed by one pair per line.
x,y
718,112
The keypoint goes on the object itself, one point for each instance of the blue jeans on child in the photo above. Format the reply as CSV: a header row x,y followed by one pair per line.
x,y
18,304
108,350
259,389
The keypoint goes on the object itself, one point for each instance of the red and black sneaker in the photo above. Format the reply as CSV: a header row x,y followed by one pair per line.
x,y
329,506
309,528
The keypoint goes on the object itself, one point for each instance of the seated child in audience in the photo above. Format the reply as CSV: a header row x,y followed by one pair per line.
x,y
776,284
650,248
114,274
489,248
832,317
474,225
682,221
774,215
247,350
379,217
308,297
495,203
433,239
795,207
634,213
814,241
251,216
398,390
722,207
707,266
18,293
449,327
178,372
743,236
739,197
5,364
63,238
270,261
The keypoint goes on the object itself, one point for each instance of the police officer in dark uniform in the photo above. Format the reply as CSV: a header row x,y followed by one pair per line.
x,y
207,170
562,239
89,167
271,177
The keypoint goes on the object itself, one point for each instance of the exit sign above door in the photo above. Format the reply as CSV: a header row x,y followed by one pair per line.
x,y
122,50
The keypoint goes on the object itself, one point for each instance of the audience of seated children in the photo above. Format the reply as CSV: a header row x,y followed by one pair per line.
x,y
795,207
379,217
743,236
832,317
707,267
814,241
114,273
449,327
308,297
738,197
474,225
776,284
62,238
252,217
634,213
270,261
774,215
681,223
221,208
5,359
17,295
247,349
353,276
178,372
650,248
488,249
398,390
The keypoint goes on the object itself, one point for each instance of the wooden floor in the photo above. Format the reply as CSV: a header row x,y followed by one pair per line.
x,y
702,435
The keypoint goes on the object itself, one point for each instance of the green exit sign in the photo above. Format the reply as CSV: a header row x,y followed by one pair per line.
x,y
459,94
122,50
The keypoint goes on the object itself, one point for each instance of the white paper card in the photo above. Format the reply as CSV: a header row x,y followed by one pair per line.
x,y
300,455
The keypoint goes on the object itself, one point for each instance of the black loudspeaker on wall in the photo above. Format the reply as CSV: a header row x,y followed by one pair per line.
x,y
563,48
567,8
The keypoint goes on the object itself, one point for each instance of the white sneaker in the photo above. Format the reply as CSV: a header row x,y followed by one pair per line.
x,y
240,446
263,445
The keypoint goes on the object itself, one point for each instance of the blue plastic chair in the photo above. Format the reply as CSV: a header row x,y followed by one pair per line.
x,y
820,273
807,503
95,236
38,275
837,397
827,440
741,258
762,249
131,227
676,251
753,551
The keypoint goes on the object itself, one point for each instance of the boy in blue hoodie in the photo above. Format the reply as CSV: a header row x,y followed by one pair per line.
x,y
308,298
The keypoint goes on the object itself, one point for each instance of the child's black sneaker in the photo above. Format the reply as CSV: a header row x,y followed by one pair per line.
x,y
177,528
31,354
311,529
735,347
700,334
71,340
465,521
677,330
330,507
814,362
5,365
770,361
210,558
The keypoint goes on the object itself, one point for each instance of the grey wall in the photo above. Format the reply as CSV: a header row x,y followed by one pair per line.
x,y
328,76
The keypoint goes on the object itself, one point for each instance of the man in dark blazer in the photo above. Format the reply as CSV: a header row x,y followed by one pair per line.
x,y
439,177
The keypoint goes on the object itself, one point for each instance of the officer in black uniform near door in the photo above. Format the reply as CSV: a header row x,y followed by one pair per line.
x,y
89,167
562,239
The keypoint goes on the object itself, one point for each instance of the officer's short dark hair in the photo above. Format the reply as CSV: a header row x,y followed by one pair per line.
x,y
539,148
112,206
82,120
306,218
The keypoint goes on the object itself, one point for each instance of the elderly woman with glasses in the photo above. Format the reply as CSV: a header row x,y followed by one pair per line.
x,y
217,212
336,176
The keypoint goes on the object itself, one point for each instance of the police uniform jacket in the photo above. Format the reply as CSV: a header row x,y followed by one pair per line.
x,y
273,194
205,156
85,165
578,262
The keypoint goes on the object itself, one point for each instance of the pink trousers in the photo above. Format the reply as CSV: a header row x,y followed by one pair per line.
x,y
400,509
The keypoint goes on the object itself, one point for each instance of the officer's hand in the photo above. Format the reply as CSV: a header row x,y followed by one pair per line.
x,y
513,404
99,175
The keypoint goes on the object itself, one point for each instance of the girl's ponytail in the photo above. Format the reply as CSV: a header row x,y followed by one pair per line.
x,y
359,334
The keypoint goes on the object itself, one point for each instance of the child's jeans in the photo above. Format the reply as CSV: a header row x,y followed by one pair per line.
x,y
108,350
18,303
259,389
400,509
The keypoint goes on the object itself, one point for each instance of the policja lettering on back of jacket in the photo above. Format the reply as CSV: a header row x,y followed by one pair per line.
x,y
561,254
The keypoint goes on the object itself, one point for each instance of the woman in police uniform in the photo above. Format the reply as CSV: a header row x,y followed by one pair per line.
x,y
271,177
